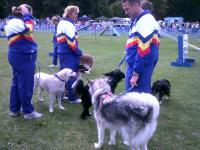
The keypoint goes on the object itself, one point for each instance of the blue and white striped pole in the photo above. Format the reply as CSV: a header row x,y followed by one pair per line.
x,y
183,60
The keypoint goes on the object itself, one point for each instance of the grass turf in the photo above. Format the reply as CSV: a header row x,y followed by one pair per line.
x,y
178,123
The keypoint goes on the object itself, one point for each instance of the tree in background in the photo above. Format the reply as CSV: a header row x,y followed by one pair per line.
x,y
2,9
188,9
116,9
159,8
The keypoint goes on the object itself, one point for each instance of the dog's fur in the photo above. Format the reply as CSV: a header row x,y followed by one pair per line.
x,y
87,60
53,84
134,114
161,89
115,77
82,90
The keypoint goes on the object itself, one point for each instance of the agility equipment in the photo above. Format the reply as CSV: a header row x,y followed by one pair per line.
x,y
110,30
183,60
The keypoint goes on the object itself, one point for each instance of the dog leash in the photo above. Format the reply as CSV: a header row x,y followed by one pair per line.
x,y
125,91
121,61
55,75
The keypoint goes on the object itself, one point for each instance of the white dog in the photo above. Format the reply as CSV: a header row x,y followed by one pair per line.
x,y
53,84
134,114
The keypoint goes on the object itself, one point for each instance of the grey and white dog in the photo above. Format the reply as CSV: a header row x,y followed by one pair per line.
x,y
53,84
133,114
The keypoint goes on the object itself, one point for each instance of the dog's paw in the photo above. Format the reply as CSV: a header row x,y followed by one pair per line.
x,y
111,143
126,143
62,108
87,72
40,100
50,110
97,145
83,116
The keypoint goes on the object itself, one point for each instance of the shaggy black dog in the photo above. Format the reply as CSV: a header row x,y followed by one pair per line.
x,y
161,89
82,90
115,77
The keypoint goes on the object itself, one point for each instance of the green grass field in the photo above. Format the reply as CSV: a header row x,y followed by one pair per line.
x,y
178,123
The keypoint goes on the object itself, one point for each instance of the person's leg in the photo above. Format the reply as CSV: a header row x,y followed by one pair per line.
x,y
144,82
61,60
15,104
127,78
72,62
55,54
26,83
71,94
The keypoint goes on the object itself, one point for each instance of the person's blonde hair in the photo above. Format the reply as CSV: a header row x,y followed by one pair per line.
x,y
30,9
55,18
69,10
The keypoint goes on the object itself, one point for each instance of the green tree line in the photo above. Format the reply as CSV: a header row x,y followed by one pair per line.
x,y
188,9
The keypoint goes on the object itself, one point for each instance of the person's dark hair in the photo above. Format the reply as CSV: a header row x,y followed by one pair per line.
x,y
147,5
16,12
132,1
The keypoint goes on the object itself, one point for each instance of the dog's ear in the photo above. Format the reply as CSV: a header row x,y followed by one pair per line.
x,y
90,82
108,73
168,83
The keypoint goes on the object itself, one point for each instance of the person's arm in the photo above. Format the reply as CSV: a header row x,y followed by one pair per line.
x,y
72,39
28,19
134,79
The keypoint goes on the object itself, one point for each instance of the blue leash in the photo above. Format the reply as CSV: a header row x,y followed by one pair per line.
x,y
125,91
121,61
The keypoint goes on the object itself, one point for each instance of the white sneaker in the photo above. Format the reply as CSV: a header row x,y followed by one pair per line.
x,y
52,66
32,115
77,101
14,114
64,98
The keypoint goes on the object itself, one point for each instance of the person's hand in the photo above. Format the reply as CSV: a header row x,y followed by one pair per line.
x,y
134,79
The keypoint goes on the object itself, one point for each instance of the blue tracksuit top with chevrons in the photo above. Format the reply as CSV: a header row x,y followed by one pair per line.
x,y
67,38
143,42
19,34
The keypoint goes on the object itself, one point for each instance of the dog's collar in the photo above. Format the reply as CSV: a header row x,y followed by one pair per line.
x,y
55,75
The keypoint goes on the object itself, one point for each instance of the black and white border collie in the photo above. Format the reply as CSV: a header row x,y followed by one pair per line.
x,y
133,114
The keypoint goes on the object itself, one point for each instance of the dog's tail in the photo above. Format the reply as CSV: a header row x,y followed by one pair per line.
x,y
36,81
144,105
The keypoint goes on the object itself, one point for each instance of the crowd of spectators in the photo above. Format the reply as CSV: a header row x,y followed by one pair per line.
x,y
45,25
187,26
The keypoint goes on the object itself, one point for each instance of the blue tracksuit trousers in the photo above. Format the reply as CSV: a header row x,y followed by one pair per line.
x,y
70,61
21,91
55,53
144,81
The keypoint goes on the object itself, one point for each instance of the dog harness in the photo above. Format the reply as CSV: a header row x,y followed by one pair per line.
x,y
105,98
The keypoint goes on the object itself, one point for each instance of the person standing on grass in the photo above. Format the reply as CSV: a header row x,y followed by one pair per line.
x,y
68,49
142,47
55,21
22,54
